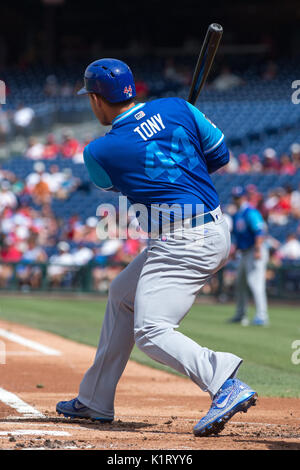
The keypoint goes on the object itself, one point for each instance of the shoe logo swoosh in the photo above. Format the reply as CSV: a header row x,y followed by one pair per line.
x,y
79,407
224,402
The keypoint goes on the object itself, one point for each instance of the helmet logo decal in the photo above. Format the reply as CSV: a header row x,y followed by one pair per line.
x,y
128,91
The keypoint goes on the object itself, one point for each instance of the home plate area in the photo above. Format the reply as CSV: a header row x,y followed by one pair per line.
x,y
154,410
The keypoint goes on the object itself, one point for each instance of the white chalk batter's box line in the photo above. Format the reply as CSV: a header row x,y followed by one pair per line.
x,y
22,353
10,336
13,401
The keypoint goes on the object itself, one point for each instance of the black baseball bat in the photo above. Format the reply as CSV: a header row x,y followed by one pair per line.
x,y
205,60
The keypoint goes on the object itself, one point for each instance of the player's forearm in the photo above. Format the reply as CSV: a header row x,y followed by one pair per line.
x,y
257,245
259,239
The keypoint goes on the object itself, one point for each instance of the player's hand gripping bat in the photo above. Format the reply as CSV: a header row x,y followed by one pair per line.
x,y
205,60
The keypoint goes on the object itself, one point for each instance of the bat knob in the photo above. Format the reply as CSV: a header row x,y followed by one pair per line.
x,y
216,27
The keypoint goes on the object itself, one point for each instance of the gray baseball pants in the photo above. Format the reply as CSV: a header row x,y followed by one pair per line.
x,y
251,275
146,304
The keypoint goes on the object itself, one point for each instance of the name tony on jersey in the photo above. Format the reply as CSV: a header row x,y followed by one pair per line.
x,y
151,126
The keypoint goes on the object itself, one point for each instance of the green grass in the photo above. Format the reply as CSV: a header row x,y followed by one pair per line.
x,y
266,351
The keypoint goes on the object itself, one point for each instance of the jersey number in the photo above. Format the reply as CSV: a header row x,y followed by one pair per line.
x,y
157,162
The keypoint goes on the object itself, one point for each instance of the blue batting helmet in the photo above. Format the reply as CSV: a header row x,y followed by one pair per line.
x,y
110,78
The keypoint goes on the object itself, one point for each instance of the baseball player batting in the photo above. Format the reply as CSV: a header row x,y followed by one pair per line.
x,y
159,153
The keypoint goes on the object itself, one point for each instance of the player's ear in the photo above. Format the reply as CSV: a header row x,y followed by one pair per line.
x,y
95,99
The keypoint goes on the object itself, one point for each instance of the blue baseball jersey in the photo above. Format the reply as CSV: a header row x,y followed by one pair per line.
x,y
248,223
160,153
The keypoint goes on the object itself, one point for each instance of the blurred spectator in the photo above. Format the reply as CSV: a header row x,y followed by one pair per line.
x,y
232,166
78,156
41,192
286,166
46,225
82,255
23,119
7,197
21,231
244,164
295,150
27,274
271,199
254,197
51,87
17,185
226,80
284,203
54,179
69,145
295,202
66,90
112,257
7,175
110,247
256,165
4,125
68,184
270,162
262,208
33,178
280,208
73,228
51,148
35,150
89,233
8,254
290,250
59,265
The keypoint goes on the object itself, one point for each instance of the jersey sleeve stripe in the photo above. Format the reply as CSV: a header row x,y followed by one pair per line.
x,y
214,146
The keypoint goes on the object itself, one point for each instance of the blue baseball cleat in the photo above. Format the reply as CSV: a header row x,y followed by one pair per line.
x,y
75,409
232,397
259,322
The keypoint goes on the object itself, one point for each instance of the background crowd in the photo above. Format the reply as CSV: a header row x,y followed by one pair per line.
x,y
32,235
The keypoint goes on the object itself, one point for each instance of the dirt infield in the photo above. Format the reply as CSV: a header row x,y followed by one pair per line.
x,y
154,410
